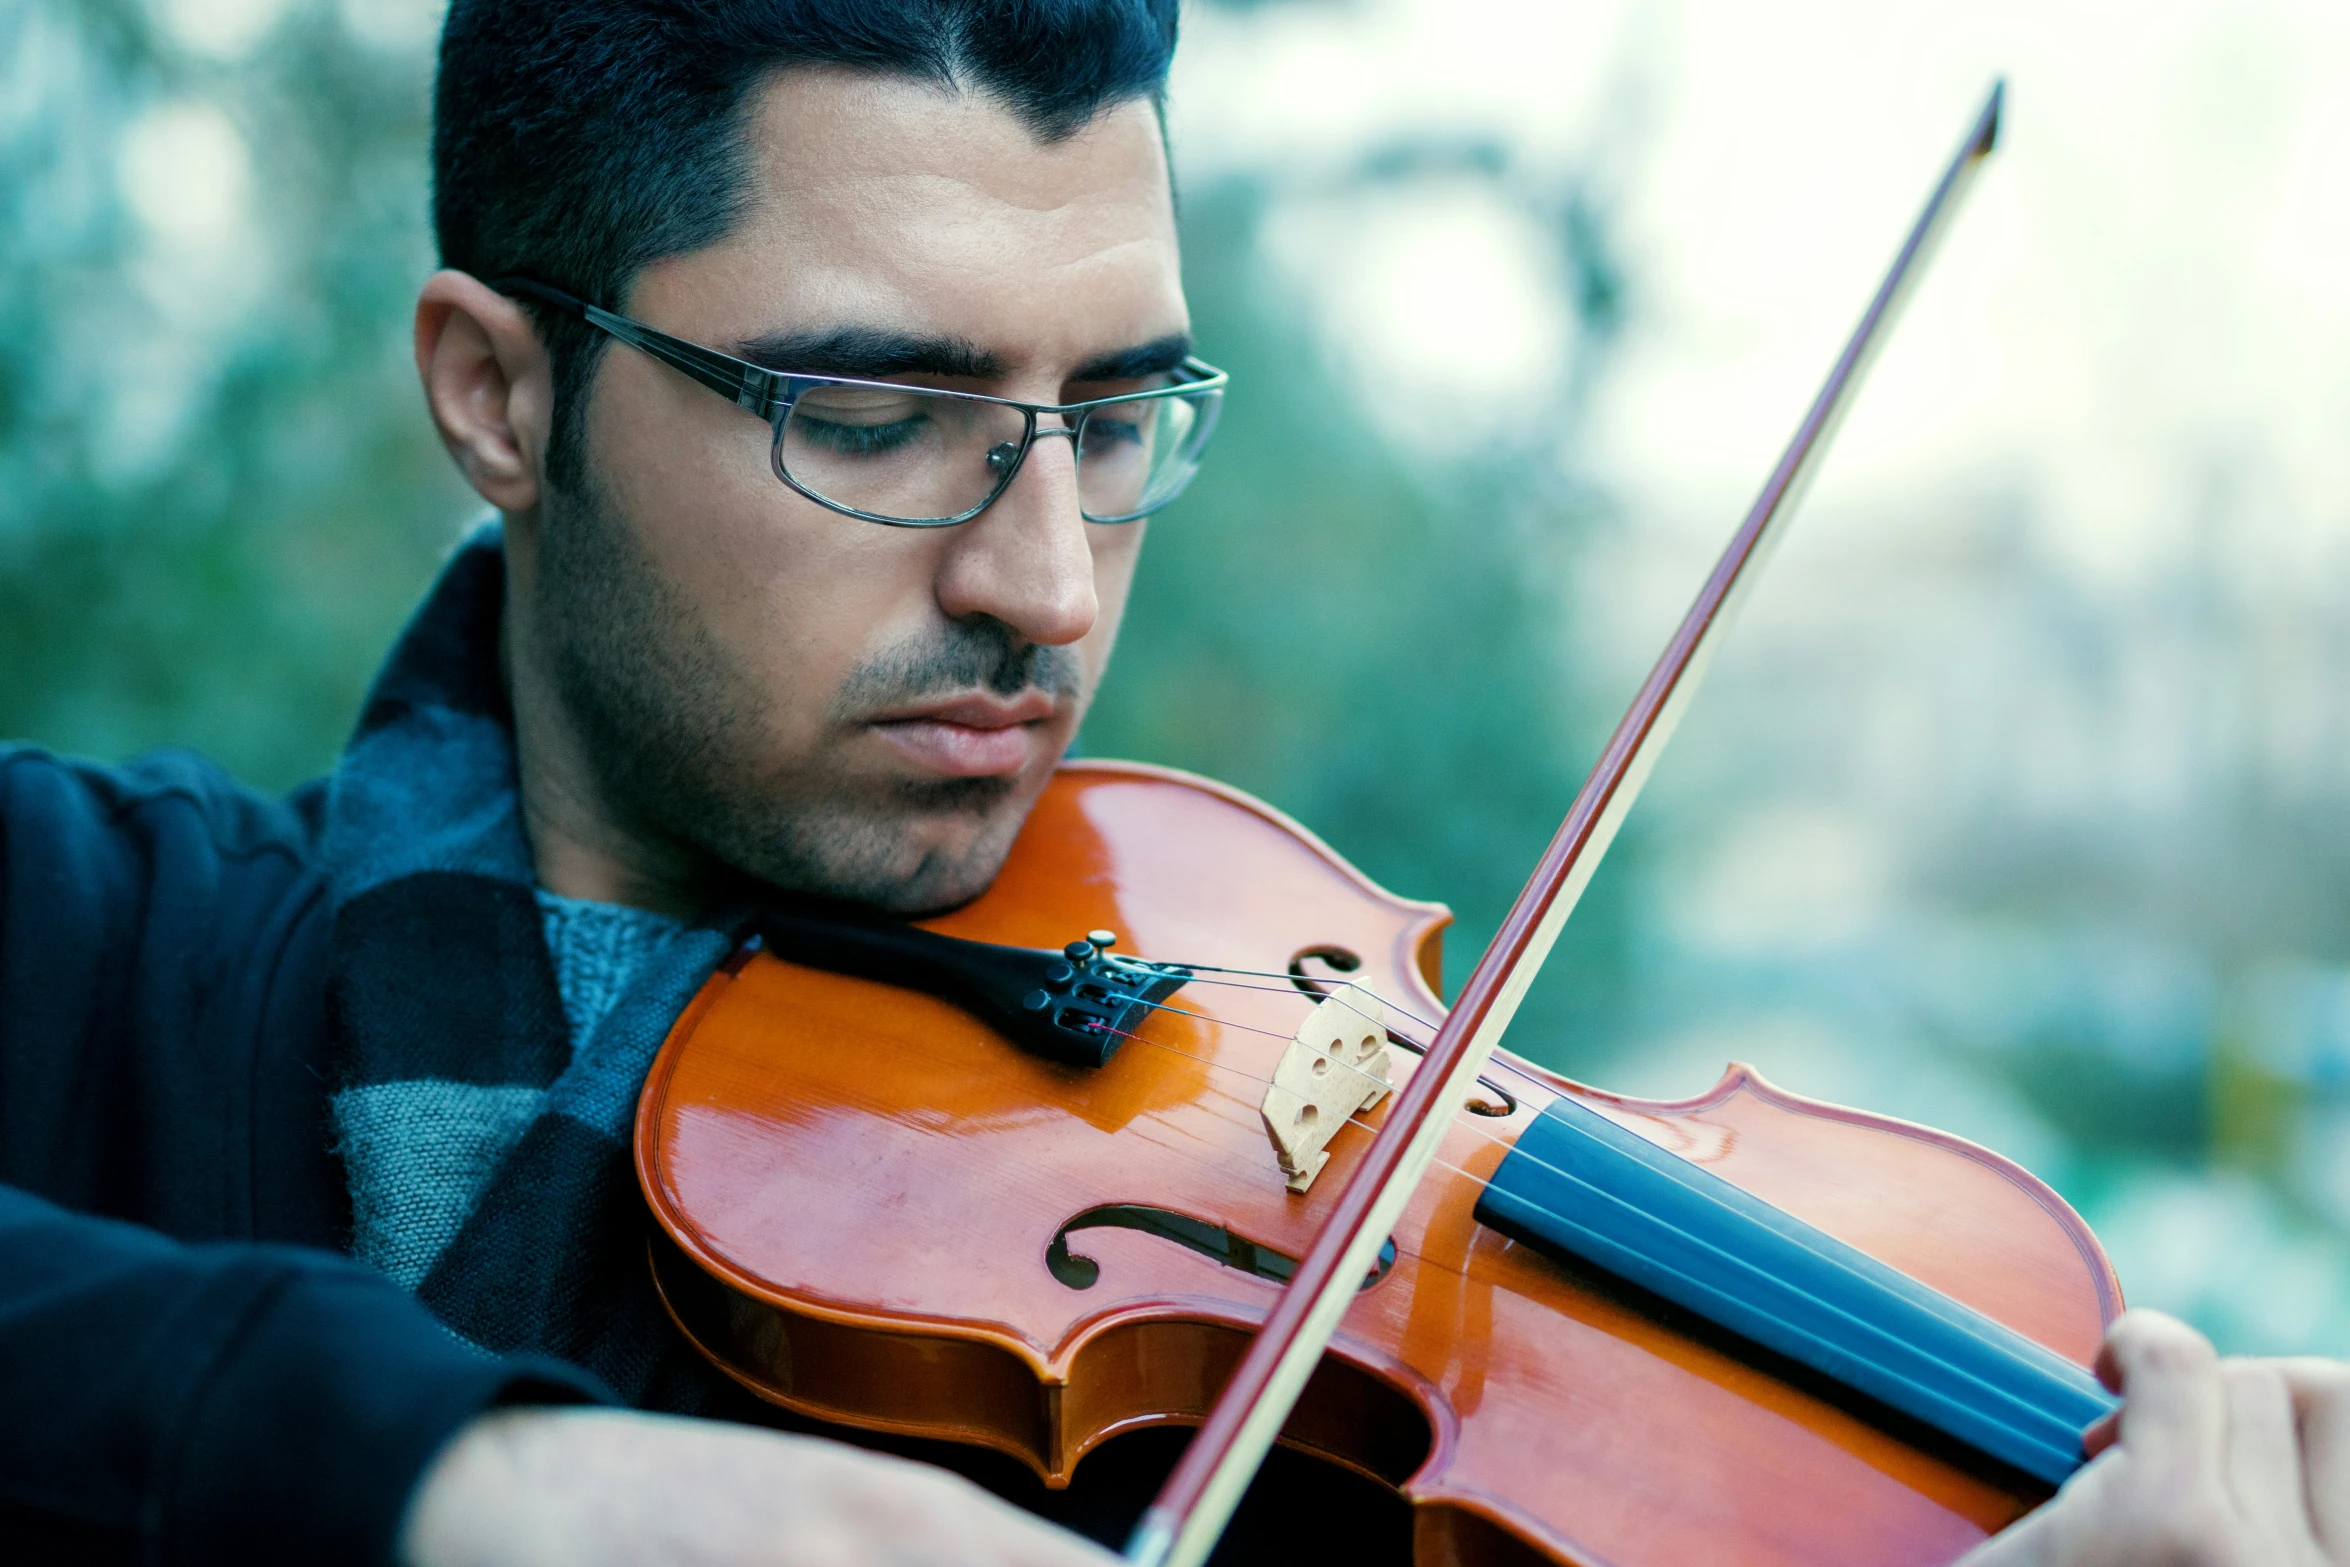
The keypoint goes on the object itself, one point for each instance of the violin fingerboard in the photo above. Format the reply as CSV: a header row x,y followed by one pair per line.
x,y
1578,1186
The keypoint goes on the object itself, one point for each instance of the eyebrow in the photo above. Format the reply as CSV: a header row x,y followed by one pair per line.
x,y
870,353
1131,364
874,353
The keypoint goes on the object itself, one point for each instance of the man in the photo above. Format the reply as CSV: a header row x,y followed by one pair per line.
x,y
807,633
399,1014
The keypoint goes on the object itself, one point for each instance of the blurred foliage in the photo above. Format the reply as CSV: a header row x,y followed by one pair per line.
x,y
215,505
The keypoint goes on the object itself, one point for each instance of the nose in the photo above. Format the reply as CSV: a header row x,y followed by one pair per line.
x,y
1026,560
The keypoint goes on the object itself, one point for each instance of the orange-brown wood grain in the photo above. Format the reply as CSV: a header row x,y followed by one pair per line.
x,y
860,1185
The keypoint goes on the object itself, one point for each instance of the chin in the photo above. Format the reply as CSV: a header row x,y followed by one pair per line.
x,y
953,866
904,850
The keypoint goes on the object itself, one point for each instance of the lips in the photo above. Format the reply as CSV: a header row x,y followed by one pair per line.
x,y
974,736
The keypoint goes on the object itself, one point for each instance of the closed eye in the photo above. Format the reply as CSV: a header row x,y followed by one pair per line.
x,y
1104,433
856,440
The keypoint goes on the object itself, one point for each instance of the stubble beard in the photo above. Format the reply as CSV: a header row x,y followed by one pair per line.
x,y
675,731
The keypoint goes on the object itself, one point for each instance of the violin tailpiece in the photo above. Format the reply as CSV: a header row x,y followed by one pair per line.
x,y
1335,1067
1076,1005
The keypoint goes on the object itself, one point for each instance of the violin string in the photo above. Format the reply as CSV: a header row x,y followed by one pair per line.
x,y
1338,996
1480,1182
1458,1270
1292,983
1204,1017
1214,1065
1352,1119
1343,1066
1355,1119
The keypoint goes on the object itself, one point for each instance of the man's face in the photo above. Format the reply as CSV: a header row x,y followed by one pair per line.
x,y
833,705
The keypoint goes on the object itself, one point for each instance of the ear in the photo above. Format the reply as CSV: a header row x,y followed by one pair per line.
x,y
489,386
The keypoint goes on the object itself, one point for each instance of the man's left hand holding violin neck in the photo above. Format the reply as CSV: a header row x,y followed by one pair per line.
x,y
2210,1462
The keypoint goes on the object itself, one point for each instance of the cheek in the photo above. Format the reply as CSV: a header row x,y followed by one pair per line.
x,y
789,595
689,473
1117,550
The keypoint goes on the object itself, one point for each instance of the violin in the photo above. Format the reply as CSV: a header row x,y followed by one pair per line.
x,y
1172,1127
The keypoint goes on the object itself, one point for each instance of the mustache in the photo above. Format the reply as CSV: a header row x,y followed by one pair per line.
x,y
981,651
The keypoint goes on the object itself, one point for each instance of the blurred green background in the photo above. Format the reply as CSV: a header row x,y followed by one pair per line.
x,y
219,496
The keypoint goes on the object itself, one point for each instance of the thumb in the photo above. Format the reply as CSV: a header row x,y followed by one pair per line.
x,y
2174,1409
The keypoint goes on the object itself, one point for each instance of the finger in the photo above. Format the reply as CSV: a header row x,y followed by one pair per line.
x,y
2173,1411
2103,1434
2262,1457
991,1530
2033,1541
2321,1407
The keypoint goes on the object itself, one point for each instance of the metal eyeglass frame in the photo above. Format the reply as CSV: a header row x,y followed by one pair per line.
x,y
771,393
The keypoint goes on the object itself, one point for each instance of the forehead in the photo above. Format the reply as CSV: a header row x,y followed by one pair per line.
x,y
885,200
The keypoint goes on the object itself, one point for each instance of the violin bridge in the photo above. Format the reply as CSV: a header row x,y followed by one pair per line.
x,y
1335,1067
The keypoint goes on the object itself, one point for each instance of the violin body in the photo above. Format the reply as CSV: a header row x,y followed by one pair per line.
x,y
878,1212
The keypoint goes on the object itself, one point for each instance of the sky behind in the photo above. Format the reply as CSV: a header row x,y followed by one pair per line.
x,y
2148,282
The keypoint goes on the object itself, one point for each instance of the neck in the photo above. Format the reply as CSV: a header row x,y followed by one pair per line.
x,y
580,845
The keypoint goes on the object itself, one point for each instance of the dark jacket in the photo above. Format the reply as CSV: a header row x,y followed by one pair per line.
x,y
188,1370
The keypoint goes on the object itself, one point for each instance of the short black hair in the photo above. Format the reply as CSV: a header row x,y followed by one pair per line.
x,y
579,141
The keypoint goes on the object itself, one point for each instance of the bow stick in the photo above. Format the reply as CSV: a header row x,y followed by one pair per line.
x,y
1190,1512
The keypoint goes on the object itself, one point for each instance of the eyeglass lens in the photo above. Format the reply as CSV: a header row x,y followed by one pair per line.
x,y
915,457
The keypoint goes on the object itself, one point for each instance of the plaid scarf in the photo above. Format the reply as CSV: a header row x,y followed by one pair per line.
x,y
489,1161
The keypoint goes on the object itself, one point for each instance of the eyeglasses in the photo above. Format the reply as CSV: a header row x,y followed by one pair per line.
x,y
921,457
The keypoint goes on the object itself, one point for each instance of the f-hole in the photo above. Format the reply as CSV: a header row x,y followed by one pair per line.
x,y
1338,962
1313,969
1213,1241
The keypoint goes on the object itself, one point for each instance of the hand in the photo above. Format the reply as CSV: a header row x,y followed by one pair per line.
x,y
2209,1463
589,1487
